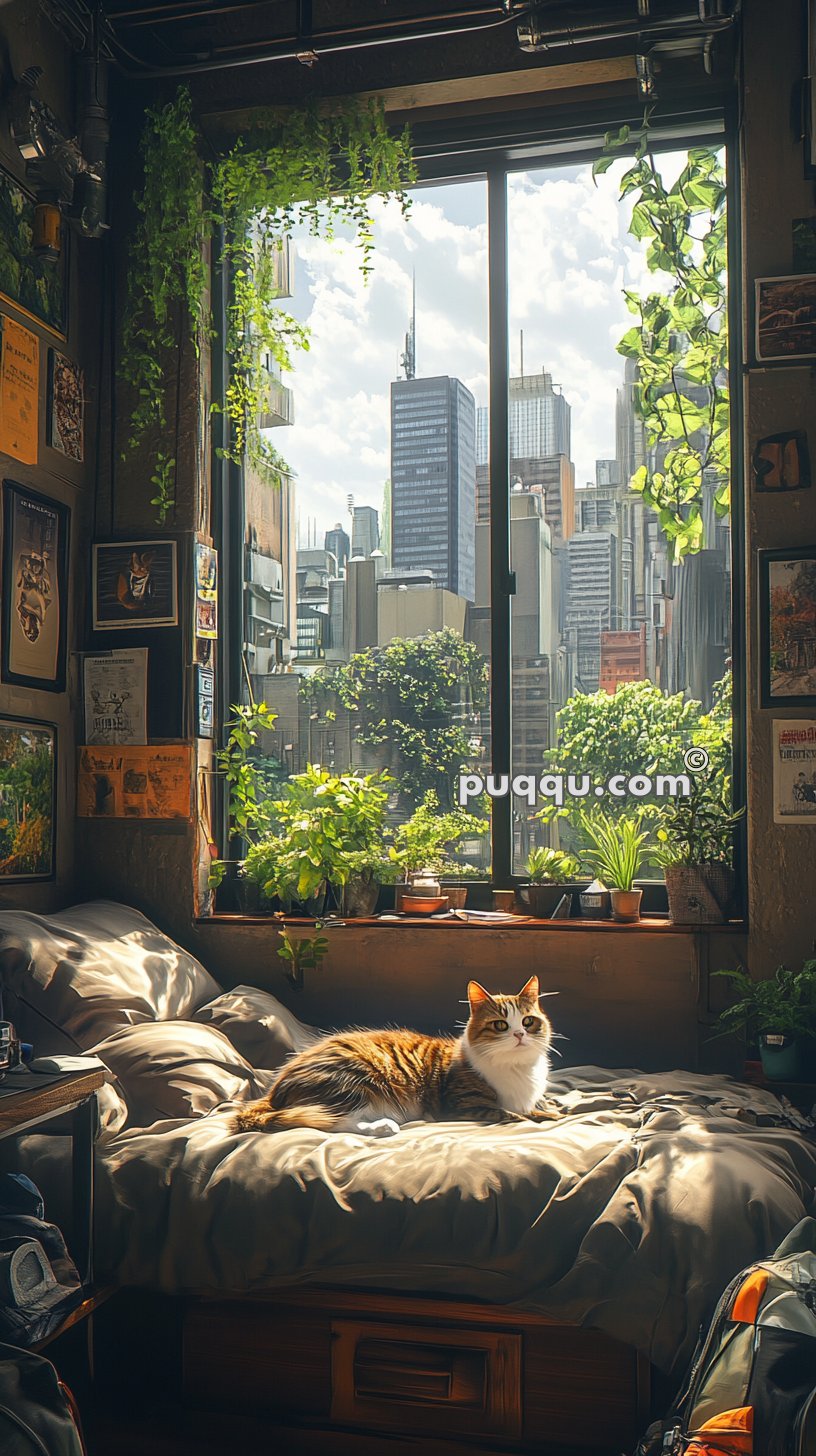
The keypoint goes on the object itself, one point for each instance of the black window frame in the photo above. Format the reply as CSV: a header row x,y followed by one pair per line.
x,y
493,148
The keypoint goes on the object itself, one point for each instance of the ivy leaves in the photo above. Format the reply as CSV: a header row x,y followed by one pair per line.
x,y
321,168
680,339
413,697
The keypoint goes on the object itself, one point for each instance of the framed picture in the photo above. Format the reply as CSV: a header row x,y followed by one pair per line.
x,y
35,589
135,584
781,463
65,415
36,287
28,759
786,317
787,629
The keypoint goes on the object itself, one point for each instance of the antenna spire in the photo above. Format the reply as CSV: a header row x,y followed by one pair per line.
x,y
521,342
408,359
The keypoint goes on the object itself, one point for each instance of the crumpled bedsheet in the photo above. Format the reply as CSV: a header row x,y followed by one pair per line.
x,y
630,1214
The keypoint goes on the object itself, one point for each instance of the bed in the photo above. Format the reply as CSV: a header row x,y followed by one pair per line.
x,y
445,1279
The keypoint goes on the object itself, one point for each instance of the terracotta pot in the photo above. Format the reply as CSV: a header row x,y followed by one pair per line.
x,y
456,895
626,905
699,894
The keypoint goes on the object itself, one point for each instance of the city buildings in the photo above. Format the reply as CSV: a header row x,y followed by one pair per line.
x,y
365,531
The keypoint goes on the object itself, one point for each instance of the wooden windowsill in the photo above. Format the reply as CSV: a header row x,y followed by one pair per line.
x,y
648,924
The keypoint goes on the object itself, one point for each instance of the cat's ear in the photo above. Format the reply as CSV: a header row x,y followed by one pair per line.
x,y
477,995
530,992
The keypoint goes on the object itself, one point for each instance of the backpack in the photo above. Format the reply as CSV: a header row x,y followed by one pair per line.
x,y
38,1416
751,1390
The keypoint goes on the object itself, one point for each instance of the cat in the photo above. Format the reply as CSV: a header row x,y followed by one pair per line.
x,y
372,1081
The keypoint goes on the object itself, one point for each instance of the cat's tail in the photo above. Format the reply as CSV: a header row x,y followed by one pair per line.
x,y
260,1117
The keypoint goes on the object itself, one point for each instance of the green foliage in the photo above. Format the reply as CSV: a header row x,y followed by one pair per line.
x,y
636,729
251,778
326,827
427,840
551,867
785,1004
163,481
616,847
313,166
167,276
302,953
698,828
680,339
413,698
26,805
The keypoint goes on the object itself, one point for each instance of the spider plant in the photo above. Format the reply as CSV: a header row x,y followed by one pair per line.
x,y
615,847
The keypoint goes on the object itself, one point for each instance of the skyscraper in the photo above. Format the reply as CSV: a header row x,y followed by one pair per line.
x,y
336,540
433,480
365,531
538,423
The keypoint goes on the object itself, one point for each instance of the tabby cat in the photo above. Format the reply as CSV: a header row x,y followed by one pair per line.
x,y
372,1081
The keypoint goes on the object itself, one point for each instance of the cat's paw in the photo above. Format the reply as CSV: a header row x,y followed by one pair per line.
x,y
383,1127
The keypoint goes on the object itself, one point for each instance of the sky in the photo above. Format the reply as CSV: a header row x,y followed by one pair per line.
x,y
570,258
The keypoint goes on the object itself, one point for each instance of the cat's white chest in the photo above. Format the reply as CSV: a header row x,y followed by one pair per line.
x,y
518,1086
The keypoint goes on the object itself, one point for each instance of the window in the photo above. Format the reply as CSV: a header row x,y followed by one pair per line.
x,y
457,575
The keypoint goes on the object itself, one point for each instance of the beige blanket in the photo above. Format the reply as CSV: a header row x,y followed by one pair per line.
x,y
630,1214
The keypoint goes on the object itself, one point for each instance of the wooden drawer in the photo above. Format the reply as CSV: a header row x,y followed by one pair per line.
x,y
480,1376
419,1378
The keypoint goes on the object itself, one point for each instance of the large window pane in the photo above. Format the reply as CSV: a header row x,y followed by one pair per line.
x,y
621,651
367,599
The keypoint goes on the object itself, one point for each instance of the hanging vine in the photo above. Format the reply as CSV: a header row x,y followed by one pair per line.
x,y
311,167
680,340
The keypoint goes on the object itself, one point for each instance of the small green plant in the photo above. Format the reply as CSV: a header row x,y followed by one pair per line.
x,y
428,838
784,1005
326,827
551,866
616,847
302,953
698,828
163,481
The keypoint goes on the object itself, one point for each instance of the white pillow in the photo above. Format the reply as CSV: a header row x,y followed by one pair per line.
x,y
258,1025
177,1069
87,971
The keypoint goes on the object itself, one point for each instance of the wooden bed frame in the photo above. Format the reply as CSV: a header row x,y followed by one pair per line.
x,y
334,1370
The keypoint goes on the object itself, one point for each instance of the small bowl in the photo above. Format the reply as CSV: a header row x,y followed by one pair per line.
x,y
424,904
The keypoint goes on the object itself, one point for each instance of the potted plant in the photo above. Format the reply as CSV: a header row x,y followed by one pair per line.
x,y
427,840
616,851
695,848
329,830
780,1015
549,872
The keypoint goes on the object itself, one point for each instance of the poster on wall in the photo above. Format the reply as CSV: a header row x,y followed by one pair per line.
x,y
36,286
786,317
206,607
19,393
134,585
135,783
115,696
787,627
794,770
34,592
28,754
65,418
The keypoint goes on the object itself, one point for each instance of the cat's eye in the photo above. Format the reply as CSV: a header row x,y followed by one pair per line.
x,y
528,1021
498,1025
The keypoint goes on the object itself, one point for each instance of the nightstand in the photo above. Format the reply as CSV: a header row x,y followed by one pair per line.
x,y
28,1099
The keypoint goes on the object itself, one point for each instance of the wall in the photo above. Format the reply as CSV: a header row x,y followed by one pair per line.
x,y
27,38
782,858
